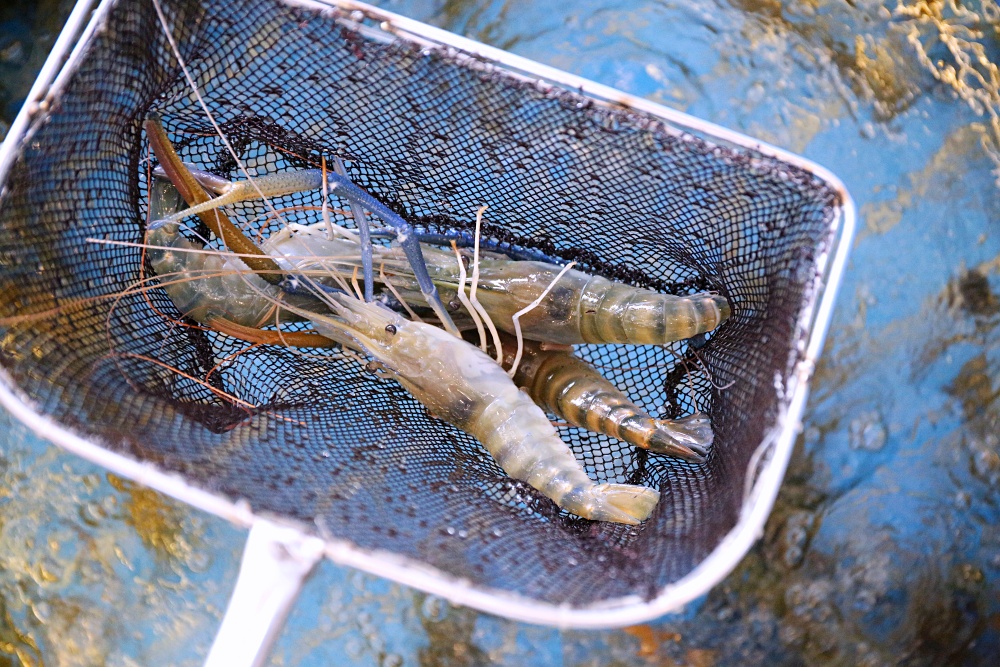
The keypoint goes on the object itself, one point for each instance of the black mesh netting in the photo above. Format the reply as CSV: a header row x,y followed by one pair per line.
x,y
433,134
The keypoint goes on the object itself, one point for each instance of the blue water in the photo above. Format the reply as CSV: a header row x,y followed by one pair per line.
x,y
884,545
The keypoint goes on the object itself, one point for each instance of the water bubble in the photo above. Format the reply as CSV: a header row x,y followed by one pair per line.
x,y
970,573
794,538
42,611
47,571
375,643
755,93
14,53
865,600
963,500
92,512
792,635
354,648
867,432
391,660
810,601
985,459
199,561
434,608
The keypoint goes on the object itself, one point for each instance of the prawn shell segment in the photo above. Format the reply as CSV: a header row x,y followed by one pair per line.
x,y
203,285
572,389
616,313
582,308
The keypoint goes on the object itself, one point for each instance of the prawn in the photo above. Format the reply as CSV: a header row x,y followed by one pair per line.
x,y
460,384
584,308
572,389
581,308
563,384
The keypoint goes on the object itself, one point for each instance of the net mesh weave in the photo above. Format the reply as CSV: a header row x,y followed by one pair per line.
x,y
434,134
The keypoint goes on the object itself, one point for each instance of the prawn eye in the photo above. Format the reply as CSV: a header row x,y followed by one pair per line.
x,y
390,329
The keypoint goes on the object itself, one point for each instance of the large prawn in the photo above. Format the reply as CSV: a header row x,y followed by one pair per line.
x,y
579,308
460,384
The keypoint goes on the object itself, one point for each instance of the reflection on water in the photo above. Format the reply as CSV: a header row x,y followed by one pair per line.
x,y
884,546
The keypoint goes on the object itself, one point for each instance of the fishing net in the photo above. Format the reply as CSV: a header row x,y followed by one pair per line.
x,y
433,133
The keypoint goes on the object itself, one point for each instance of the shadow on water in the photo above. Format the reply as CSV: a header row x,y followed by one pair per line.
x,y
884,545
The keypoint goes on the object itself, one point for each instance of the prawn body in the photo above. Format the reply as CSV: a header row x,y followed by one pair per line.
x,y
570,388
581,308
460,384
584,308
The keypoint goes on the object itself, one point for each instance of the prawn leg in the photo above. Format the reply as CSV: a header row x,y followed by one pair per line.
x,y
289,182
365,233
572,389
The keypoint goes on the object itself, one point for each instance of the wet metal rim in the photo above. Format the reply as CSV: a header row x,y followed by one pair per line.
x,y
774,452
